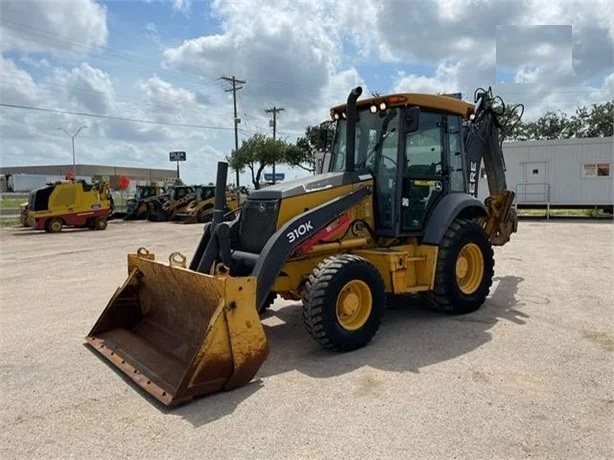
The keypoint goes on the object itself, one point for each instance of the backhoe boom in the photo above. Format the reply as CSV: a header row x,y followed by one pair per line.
x,y
483,143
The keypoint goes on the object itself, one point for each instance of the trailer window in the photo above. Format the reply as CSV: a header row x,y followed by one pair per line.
x,y
596,170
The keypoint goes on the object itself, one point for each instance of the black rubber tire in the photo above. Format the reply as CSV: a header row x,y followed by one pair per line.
x,y
91,224
446,295
320,299
203,218
54,225
100,223
149,212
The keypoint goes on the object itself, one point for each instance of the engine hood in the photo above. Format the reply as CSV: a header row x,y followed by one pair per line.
x,y
308,184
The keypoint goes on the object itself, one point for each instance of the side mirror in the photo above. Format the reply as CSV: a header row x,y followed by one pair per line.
x,y
324,136
412,119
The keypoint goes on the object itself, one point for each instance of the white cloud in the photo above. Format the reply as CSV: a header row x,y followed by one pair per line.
x,y
16,85
286,51
86,87
56,27
445,80
183,6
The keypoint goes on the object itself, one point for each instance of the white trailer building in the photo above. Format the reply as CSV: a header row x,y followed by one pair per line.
x,y
551,174
561,173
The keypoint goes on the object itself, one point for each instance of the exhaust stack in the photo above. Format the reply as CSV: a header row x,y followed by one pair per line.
x,y
350,155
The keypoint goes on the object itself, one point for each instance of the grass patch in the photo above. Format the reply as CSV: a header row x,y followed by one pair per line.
x,y
589,212
12,202
4,223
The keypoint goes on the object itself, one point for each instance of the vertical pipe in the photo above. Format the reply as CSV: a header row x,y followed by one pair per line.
x,y
220,192
350,150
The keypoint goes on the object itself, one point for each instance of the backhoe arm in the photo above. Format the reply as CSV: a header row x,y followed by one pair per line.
x,y
483,143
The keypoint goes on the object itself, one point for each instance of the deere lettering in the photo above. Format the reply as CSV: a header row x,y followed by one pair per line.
x,y
299,231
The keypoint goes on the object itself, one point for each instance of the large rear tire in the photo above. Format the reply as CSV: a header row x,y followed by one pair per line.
x,y
465,269
343,302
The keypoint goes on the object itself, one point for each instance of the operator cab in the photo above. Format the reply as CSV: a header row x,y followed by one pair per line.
x,y
415,157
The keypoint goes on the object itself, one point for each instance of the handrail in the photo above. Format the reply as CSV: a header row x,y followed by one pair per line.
x,y
545,193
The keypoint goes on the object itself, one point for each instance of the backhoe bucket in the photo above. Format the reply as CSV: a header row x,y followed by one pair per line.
x,y
179,333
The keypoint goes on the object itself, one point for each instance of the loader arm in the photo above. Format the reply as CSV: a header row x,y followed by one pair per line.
x,y
483,143
215,255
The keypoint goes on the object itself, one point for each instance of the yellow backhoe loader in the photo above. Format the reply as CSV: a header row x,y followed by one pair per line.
x,y
396,213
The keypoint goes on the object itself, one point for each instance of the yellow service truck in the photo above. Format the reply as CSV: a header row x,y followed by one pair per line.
x,y
69,204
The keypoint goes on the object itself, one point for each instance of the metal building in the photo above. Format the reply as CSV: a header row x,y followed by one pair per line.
x,y
560,173
110,173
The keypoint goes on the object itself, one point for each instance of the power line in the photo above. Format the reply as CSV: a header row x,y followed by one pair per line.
x,y
48,39
124,99
234,89
111,117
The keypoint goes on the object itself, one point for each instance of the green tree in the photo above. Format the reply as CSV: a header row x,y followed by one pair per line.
x,y
178,182
551,125
255,154
598,121
303,153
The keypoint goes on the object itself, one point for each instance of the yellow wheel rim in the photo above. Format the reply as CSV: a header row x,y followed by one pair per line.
x,y
142,209
469,268
354,305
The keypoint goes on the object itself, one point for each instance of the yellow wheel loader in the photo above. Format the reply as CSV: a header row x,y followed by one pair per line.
x,y
396,213
200,210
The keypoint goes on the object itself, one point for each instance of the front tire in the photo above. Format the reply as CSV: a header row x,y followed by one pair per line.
x,y
465,269
100,223
54,226
343,302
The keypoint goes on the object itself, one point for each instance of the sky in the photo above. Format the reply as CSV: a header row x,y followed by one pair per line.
x,y
145,76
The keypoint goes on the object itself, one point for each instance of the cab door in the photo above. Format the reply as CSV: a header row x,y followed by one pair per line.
x,y
423,179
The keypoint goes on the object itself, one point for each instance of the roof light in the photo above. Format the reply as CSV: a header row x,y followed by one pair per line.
x,y
396,99
373,109
382,106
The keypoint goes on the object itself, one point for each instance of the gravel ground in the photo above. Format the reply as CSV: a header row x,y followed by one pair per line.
x,y
530,375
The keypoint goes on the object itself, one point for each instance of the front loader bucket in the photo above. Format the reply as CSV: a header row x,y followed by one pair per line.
x,y
178,333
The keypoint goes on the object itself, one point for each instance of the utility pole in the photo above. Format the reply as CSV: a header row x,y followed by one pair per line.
x,y
234,81
274,111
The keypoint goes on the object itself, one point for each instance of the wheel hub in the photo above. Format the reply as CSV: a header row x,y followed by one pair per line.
x,y
354,305
469,268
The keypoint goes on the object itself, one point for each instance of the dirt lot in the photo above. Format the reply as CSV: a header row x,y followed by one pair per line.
x,y
529,375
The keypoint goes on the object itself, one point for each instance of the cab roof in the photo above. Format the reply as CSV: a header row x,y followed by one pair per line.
x,y
428,101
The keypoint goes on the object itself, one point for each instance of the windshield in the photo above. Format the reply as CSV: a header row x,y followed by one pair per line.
x,y
179,193
204,193
376,139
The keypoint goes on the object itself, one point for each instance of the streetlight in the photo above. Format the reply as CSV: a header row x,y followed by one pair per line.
x,y
72,137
